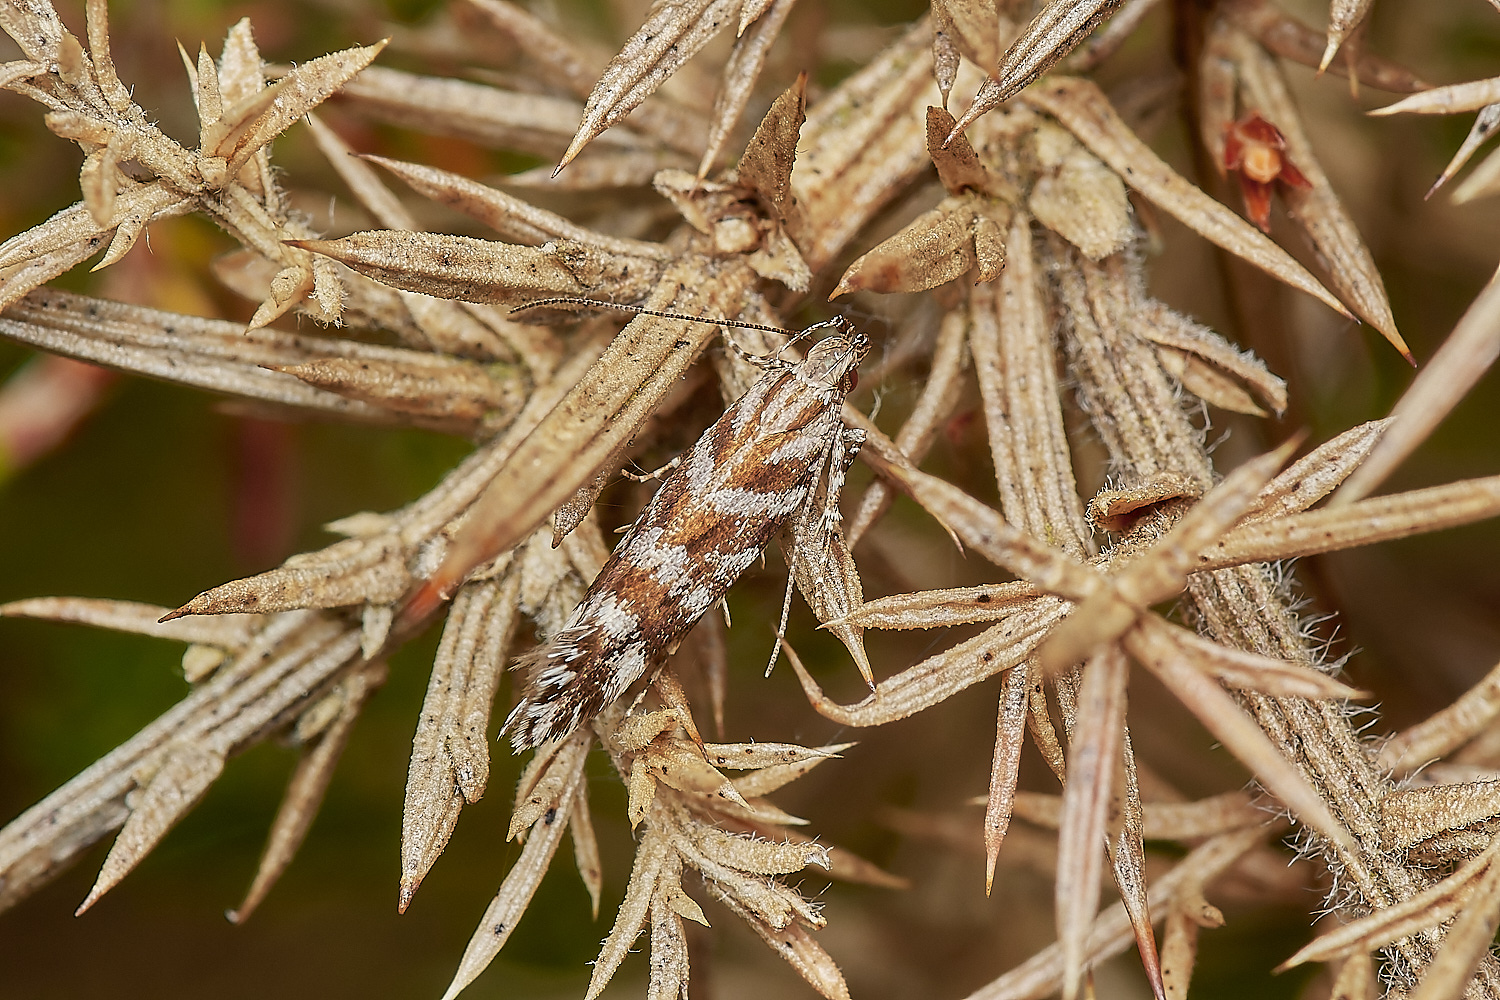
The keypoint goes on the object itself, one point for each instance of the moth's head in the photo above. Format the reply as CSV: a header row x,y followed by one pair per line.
x,y
835,360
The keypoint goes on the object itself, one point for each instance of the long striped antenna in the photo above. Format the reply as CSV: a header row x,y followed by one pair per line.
x,y
579,300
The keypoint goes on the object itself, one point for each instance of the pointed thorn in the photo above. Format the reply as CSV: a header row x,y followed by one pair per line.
x,y
969,118
181,612
1329,52
574,148
89,900
251,902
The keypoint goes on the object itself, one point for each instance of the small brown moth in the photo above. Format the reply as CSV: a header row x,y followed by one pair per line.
x,y
760,464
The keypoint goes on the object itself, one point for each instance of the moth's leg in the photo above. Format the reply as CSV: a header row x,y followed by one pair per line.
x,y
851,440
854,440
758,360
658,474
786,610
724,608
838,323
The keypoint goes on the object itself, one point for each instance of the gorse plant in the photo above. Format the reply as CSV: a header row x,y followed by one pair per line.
x,y
1008,166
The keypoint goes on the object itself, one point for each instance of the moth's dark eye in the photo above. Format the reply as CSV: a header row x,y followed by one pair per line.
x,y
851,380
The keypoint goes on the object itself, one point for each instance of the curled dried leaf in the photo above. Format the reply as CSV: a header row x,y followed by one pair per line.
x,y
958,166
939,677
1119,510
1078,197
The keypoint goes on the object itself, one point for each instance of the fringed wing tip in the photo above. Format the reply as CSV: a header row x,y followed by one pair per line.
x,y
554,701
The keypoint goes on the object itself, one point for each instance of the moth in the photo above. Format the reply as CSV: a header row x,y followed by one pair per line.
x,y
778,453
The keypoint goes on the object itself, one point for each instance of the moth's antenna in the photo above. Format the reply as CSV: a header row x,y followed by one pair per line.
x,y
578,300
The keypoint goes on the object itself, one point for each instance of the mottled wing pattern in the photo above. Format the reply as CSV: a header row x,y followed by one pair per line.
x,y
759,463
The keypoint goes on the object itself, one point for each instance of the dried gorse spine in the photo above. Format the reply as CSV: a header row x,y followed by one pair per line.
x,y
1032,260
